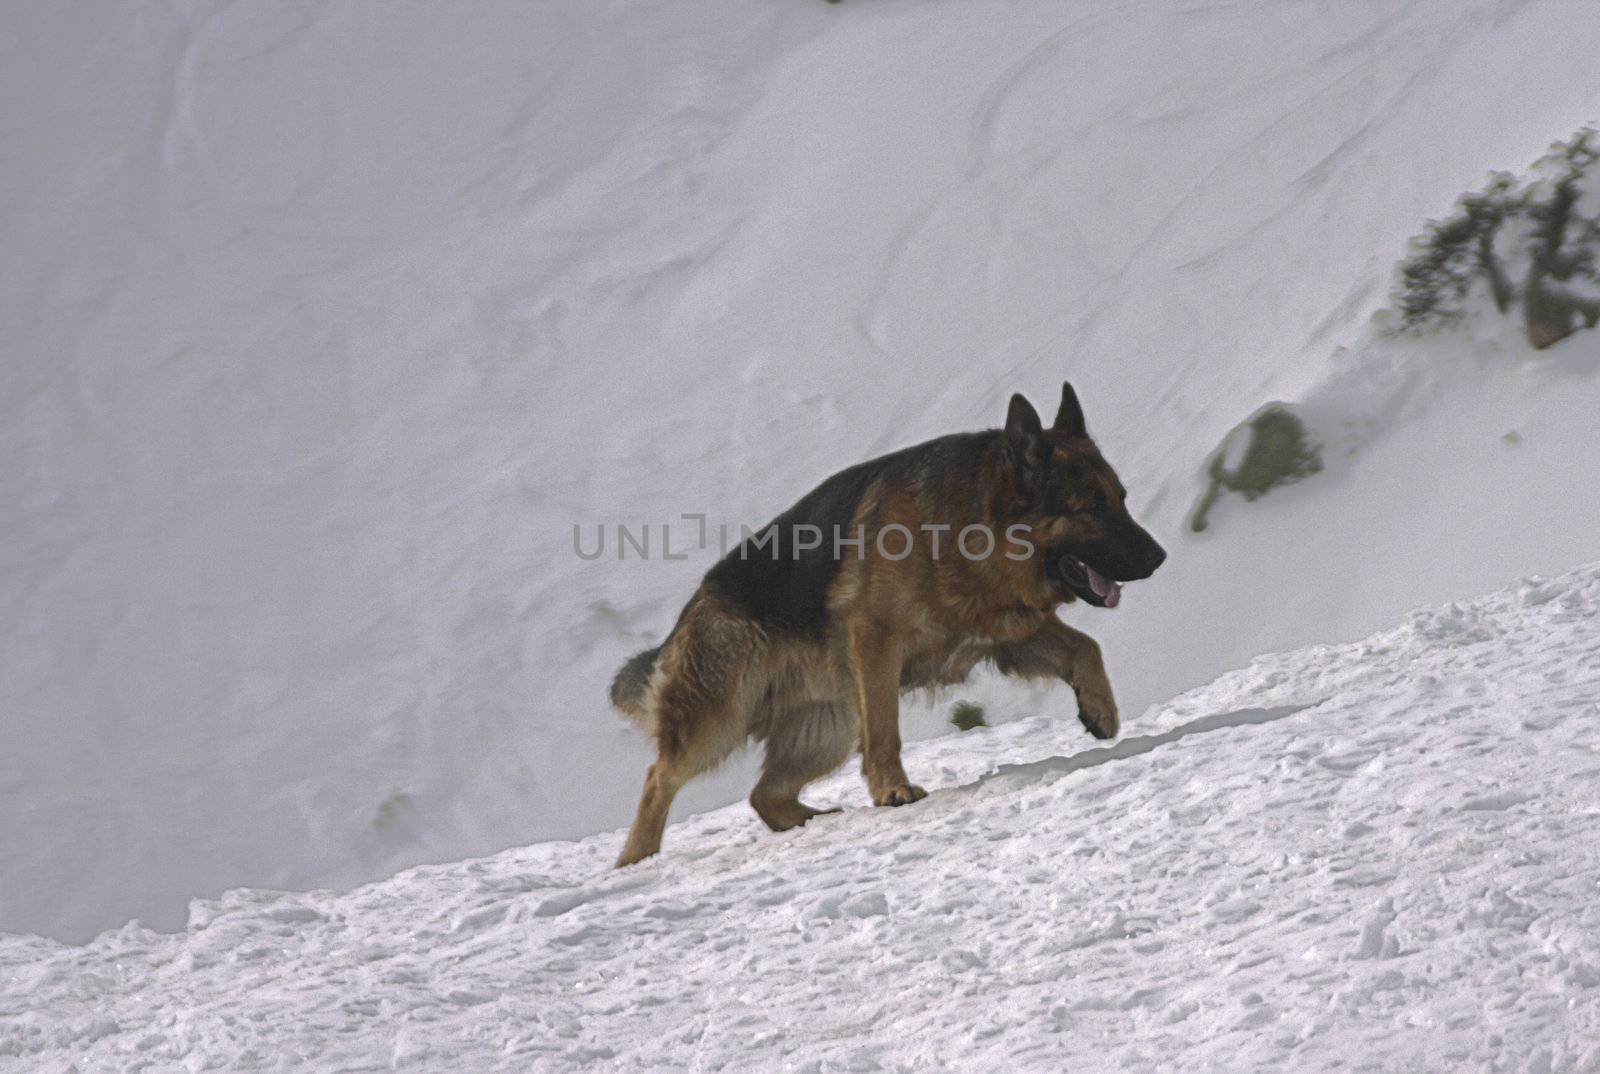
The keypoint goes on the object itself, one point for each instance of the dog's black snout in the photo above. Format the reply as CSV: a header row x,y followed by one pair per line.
x,y
1158,556
1142,555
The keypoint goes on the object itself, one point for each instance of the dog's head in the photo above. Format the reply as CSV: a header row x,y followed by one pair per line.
x,y
1066,492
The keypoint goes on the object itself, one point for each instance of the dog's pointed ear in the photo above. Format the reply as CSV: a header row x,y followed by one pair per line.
x,y
1024,436
1022,421
1069,419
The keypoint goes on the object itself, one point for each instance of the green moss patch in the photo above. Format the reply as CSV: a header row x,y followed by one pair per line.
x,y
1277,452
966,716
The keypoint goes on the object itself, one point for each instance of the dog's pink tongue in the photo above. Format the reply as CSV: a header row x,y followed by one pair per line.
x,y
1104,588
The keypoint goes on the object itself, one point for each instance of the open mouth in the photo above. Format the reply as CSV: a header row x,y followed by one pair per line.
x,y
1088,583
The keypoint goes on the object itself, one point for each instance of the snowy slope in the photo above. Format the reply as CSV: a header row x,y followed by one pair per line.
x,y
1375,856
325,324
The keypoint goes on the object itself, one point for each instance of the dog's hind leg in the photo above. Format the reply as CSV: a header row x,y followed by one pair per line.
x,y
699,705
661,785
805,743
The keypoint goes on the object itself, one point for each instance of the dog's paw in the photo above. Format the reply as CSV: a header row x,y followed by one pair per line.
x,y
784,813
899,794
1098,715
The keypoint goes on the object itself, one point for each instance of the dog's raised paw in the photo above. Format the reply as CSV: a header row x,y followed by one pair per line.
x,y
900,794
1099,719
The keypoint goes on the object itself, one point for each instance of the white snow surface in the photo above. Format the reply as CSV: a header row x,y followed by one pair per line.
x,y
1373,856
323,325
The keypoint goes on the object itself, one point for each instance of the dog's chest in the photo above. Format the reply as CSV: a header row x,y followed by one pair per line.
x,y
948,657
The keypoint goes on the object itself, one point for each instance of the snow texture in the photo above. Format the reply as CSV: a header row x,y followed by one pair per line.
x,y
1373,856
324,324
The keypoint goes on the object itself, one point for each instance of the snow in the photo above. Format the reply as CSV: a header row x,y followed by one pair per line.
x,y
1370,856
324,325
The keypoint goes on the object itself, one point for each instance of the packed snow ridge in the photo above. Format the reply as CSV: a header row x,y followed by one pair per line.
x,y
1378,855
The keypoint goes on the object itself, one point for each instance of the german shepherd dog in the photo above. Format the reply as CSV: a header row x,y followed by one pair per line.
x,y
805,635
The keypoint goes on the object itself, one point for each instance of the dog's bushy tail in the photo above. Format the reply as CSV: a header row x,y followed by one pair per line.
x,y
632,683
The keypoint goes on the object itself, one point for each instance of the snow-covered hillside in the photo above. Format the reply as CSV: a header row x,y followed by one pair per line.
x,y
324,325
1376,856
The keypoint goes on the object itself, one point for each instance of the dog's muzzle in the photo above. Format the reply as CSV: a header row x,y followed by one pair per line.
x,y
1089,583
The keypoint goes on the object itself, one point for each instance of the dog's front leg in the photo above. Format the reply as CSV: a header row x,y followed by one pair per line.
x,y
1086,671
875,668
1057,651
